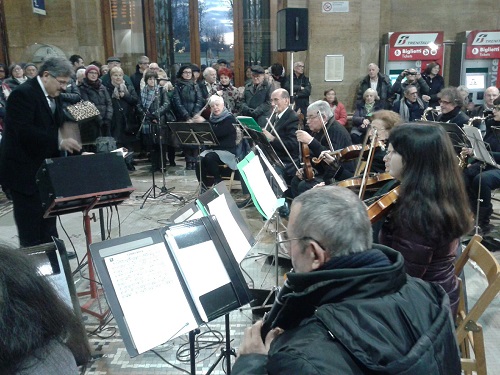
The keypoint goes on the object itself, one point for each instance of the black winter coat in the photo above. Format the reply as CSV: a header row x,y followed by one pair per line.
x,y
257,102
124,120
91,130
384,90
187,99
360,321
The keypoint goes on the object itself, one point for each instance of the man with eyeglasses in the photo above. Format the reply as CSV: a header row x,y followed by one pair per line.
x,y
348,306
486,109
140,68
450,105
410,107
414,78
301,87
32,123
318,141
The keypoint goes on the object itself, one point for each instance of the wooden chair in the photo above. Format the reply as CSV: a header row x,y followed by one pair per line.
x,y
469,332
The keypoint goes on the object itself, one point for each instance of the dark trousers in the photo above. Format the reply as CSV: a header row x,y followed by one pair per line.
x,y
32,228
490,180
209,165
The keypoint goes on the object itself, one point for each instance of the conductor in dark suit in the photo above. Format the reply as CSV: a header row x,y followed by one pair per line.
x,y
32,133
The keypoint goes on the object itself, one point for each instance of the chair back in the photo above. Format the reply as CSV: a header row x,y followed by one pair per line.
x,y
469,332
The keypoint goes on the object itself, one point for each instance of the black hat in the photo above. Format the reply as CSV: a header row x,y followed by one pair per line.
x,y
195,68
222,61
257,69
113,59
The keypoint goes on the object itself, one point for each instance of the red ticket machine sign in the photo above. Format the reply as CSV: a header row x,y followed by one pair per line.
x,y
412,46
483,44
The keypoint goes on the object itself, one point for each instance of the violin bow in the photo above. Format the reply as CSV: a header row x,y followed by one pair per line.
x,y
282,144
368,166
325,130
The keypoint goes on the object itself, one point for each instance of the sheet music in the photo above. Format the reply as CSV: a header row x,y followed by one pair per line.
x,y
276,176
190,214
150,295
194,261
260,186
234,235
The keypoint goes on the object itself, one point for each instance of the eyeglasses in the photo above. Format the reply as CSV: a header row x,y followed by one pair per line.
x,y
61,83
286,242
444,102
311,117
143,63
300,66
496,108
187,72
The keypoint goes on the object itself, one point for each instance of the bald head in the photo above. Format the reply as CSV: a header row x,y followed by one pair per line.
x,y
490,94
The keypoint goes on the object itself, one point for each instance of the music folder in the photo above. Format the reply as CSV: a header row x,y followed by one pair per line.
x,y
165,282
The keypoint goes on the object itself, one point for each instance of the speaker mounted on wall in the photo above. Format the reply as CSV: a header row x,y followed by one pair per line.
x,y
292,29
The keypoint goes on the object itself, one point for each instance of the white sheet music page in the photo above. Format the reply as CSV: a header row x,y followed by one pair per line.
x,y
202,269
234,235
260,186
150,295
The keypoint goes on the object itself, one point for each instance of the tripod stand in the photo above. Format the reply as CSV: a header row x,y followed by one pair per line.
x,y
163,189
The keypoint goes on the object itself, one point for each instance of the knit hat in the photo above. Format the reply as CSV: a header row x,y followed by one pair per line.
x,y
91,68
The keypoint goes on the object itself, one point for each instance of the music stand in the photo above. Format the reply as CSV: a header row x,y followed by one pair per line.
x,y
194,134
163,190
261,140
456,134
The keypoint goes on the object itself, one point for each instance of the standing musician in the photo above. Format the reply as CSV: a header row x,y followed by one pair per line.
x,y
284,122
319,117
432,211
343,292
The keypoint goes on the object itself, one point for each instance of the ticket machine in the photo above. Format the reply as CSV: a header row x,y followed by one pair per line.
x,y
474,62
404,50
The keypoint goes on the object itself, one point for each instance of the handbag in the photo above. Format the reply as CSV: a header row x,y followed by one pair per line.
x,y
82,112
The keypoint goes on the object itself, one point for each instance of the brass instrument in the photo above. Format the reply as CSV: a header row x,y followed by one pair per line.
x,y
435,113
462,158
472,119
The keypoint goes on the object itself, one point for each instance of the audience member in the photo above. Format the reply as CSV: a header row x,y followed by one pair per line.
x,y
140,68
348,306
379,82
435,81
229,93
256,97
490,94
361,118
414,78
301,87
30,70
208,86
410,107
337,108
4,72
16,78
112,62
77,62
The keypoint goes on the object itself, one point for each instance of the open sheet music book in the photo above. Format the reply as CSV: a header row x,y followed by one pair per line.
x,y
166,282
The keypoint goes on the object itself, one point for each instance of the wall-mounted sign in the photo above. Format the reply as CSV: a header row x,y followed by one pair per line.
x,y
335,7
416,46
334,68
483,45
39,7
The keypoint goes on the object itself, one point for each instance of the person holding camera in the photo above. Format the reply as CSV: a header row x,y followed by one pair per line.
x,y
414,78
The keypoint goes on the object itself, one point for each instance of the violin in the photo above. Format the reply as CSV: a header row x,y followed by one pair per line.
x,y
373,182
305,152
380,208
350,152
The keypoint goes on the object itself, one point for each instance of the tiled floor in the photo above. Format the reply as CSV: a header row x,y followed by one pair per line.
x,y
111,358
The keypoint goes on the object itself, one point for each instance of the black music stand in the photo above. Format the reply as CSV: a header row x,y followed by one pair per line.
x,y
163,189
106,189
458,137
260,139
194,134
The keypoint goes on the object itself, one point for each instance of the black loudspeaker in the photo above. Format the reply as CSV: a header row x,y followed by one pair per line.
x,y
292,29
75,183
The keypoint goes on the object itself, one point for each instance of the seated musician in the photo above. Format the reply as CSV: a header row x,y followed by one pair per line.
x,y
281,133
489,179
319,113
348,306
431,212
221,121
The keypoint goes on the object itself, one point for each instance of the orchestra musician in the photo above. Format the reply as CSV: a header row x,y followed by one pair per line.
x,y
431,212
343,291
284,122
320,116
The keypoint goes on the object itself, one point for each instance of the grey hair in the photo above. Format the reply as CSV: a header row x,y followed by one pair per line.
x,y
334,217
57,67
407,89
215,99
373,92
453,96
323,107
208,70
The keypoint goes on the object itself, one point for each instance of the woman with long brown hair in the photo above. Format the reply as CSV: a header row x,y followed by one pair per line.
x,y
432,211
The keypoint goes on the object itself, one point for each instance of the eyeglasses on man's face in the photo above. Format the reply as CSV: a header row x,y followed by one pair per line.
x,y
61,83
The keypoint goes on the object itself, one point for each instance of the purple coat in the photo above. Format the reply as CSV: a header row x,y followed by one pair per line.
x,y
426,260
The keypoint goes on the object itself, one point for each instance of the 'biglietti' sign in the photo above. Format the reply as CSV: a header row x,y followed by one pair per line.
x,y
416,46
483,45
